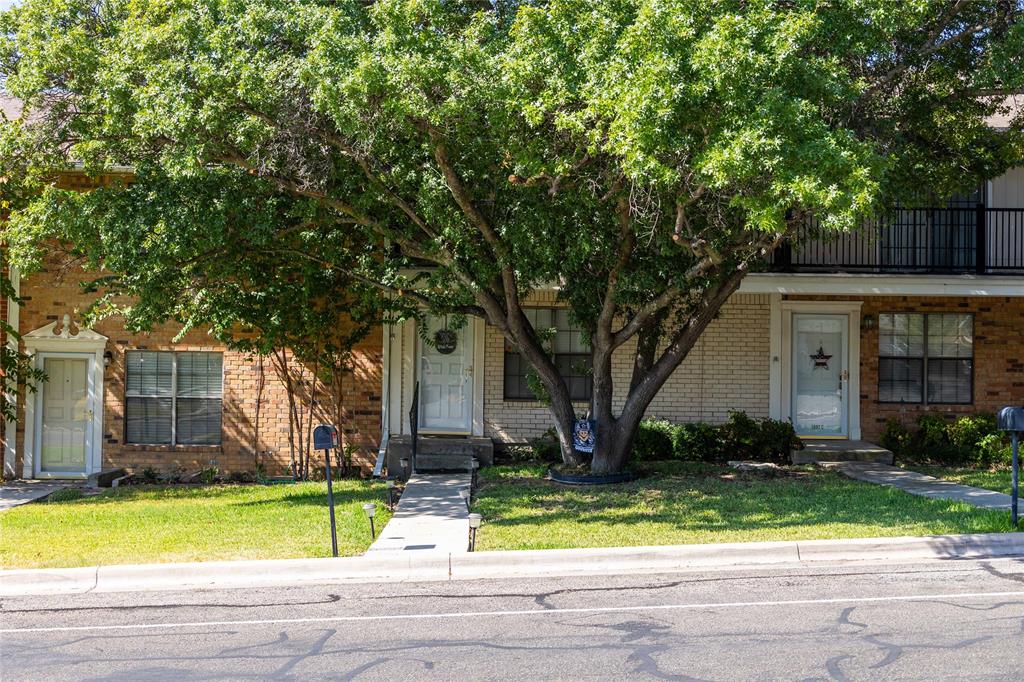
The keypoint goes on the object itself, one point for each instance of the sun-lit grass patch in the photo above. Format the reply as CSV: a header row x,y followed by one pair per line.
x,y
991,479
679,503
142,524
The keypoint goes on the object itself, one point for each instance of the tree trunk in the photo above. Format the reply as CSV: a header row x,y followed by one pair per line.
x,y
615,435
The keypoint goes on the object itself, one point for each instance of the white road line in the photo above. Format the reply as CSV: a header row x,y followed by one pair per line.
x,y
530,612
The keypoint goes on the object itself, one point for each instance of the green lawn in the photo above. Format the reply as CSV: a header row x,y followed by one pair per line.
x,y
990,479
691,503
141,524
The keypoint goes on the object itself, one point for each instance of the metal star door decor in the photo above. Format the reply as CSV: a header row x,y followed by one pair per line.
x,y
820,358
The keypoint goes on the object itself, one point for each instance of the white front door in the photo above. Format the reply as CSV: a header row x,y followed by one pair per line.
x,y
446,380
820,375
65,422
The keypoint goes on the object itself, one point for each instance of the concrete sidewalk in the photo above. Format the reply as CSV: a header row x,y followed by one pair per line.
x,y
921,484
430,517
17,493
378,567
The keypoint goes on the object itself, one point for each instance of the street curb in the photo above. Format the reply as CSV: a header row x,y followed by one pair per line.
x,y
425,566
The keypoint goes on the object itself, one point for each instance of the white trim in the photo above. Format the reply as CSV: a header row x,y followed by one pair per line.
x,y
775,356
57,340
11,425
479,368
852,309
881,285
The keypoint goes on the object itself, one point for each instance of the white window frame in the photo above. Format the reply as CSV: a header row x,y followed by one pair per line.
x,y
174,398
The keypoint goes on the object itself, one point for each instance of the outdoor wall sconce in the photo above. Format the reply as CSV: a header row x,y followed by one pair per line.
x,y
371,510
868,322
474,525
108,357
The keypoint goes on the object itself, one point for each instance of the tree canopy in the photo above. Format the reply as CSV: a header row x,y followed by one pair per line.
x,y
453,156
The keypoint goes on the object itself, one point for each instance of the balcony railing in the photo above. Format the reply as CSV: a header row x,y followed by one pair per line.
x,y
977,240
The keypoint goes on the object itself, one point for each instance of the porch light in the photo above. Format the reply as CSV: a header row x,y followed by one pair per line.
x,y
474,525
868,322
108,357
371,511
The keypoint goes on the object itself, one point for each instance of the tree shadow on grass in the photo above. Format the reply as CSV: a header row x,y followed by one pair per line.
x,y
713,505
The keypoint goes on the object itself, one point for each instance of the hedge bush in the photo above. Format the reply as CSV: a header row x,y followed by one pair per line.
x,y
969,440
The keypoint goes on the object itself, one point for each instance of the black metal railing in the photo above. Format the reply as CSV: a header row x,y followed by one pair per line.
x,y
975,240
414,425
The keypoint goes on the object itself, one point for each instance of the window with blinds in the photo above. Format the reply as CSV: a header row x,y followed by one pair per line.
x,y
173,398
571,356
926,358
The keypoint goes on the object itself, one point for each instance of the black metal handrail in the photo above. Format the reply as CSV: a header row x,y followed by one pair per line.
x,y
414,425
975,240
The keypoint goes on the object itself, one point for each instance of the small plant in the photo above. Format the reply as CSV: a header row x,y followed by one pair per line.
x,y
66,495
546,448
150,476
173,475
208,476
242,477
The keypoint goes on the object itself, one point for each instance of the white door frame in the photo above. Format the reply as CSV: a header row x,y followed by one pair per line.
x,y
61,341
781,403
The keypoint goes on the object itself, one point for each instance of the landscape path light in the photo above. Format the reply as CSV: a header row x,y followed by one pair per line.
x,y
464,494
474,525
391,494
371,510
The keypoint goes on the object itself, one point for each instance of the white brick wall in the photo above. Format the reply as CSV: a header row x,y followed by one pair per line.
x,y
726,370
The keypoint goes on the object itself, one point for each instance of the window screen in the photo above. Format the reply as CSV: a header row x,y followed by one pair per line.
x,y
173,398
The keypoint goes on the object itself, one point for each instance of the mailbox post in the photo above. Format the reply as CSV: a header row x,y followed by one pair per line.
x,y
1012,419
325,437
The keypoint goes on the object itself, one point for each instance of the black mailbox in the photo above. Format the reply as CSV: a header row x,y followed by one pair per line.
x,y
325,437
1011,419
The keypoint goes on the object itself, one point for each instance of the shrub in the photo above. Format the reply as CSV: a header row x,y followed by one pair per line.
x,y
546,449
970,440
653,440
776,441
740,435
896,437
242,477
697,442
66,495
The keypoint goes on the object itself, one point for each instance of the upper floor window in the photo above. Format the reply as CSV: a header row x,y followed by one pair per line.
x,y
925,358
173,398
571,355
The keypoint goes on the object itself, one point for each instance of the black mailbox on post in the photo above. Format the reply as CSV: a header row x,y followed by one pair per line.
x,y
325,437
1012,419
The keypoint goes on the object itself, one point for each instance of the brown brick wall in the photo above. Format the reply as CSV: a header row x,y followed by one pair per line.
x,y
48,296
998,355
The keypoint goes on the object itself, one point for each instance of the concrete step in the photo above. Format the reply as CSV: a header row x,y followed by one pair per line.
x,y
426,462
400,446
816,451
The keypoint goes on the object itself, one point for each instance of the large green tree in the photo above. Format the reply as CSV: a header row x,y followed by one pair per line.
x,y
643,155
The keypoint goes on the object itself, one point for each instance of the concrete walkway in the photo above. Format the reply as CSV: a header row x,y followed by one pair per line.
x,y
17,493
921,484
431,516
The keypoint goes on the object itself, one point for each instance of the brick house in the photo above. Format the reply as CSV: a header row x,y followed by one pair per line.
x,y
923,311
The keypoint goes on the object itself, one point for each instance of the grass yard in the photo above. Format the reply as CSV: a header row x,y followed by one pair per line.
x,y
680,503
990,479
142,524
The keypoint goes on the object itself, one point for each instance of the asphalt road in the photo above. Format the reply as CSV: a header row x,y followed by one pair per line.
x,y
960,620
